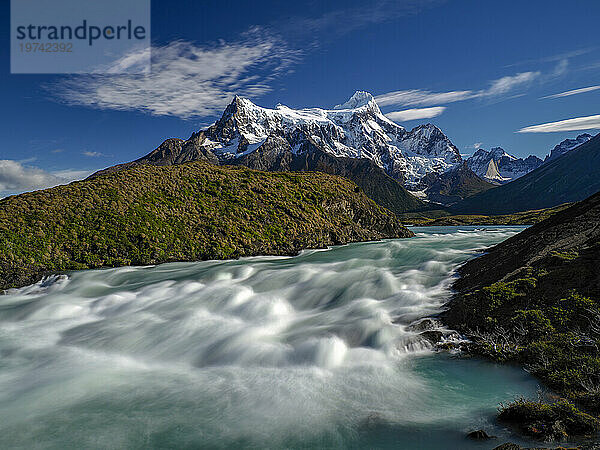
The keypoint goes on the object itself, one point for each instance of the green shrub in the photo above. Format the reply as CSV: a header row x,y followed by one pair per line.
x,y
554,421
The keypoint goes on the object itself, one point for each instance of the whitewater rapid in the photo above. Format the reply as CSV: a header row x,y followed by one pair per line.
x,y
266,352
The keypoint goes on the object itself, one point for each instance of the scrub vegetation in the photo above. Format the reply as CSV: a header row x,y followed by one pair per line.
x,y
535,300
187,212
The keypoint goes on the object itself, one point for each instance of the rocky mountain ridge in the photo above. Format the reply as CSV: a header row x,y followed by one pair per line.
x,y
499,167
570,178
356,129
567,145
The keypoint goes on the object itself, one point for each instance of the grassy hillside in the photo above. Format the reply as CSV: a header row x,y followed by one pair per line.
x,y
569,178
194,211
520,218
276,155
535,299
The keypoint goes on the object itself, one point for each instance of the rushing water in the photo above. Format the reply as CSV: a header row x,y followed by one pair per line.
x,y
270,352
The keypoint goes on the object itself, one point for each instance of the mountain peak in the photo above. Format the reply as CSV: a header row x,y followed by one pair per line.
x,y
567,145
498,166
427,127
358,99
241,101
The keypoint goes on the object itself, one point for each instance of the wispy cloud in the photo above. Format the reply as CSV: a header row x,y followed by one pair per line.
x,y
92,154
575,124
561,68
414,97
476,145
573,92
15,177
418,97
506,84
187,80
556,57
339,22
415,113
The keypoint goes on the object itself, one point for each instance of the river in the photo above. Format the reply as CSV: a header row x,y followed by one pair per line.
x,y
311,351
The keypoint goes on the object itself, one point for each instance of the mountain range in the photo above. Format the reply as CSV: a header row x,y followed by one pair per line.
x,y
416,170
567,145
354,140
571,177
498,167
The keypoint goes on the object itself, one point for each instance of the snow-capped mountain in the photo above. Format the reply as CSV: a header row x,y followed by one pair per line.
x,y
498,166
566,145
353,140
354,129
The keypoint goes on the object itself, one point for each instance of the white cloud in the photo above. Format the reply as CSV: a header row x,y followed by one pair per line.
x,y
414,97
415,113
573,92
556,57
578,123
476,145
506,84
92,154
561,68
418,97
16,177
186,80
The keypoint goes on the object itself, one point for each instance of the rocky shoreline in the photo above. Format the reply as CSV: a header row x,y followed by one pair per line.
x,y
534,300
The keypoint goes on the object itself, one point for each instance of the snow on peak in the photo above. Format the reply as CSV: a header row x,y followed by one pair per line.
x,y
499,152
428,130
358,100
354,129
498,166
567,145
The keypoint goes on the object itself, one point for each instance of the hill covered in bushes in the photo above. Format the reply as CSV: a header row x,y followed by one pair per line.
x,y
186,212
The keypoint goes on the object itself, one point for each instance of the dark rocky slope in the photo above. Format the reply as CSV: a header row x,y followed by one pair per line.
x,y
172,151
455,185
276,155
186,212
535,299
575,229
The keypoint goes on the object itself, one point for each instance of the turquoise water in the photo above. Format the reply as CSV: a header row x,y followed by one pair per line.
x,y
271,352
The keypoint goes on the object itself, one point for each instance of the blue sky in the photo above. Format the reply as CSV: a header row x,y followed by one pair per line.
x,y
478,69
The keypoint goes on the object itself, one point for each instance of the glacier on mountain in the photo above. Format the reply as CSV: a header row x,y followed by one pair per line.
x,y
354,129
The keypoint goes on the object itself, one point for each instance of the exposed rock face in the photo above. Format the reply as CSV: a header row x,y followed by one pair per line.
x,y
355,129
275,155
497,166
567,145
479,435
